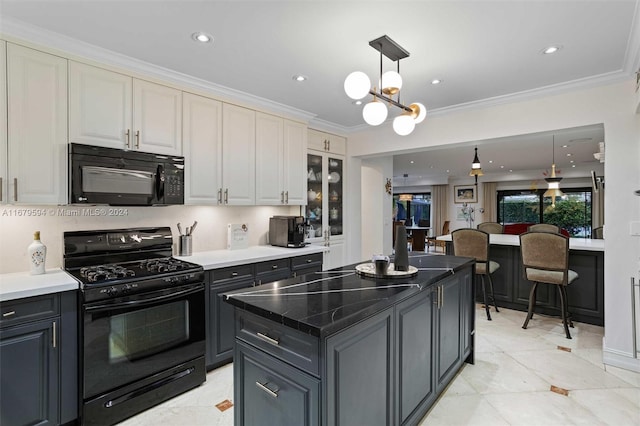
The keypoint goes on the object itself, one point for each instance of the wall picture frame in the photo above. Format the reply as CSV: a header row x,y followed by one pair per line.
x,y
465,194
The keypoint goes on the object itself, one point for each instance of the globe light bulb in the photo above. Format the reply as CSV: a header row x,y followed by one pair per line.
x,y
391,82
357,85
403,124
374,113
422,112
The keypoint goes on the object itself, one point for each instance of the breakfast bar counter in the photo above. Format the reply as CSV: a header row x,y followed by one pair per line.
x,y
338,348
586,294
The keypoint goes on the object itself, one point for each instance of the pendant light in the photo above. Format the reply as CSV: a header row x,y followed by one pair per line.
x,y
476,167
553,181
357,86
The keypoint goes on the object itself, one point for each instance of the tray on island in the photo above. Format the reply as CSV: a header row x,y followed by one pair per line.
x,y
369,270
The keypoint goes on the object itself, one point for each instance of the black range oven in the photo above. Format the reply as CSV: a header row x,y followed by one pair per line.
x,y
142,318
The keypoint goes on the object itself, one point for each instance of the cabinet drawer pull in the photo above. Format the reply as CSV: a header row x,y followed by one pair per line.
x,y
267,390
8,314
309,260
268,339
274,266
53,336
234,274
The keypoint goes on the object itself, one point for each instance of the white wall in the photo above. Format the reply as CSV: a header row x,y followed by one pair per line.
x,y
374,199
612,105
211,234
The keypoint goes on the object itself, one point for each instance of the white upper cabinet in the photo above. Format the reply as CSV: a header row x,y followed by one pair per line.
x,y
280,161
238,156
202,144
3,123
269,160
157,118
117,111
37,126
295,162
327,142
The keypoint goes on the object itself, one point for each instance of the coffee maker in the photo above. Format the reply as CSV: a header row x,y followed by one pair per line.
x,y
287,231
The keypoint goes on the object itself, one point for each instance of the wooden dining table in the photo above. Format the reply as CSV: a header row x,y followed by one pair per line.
x,y
418,235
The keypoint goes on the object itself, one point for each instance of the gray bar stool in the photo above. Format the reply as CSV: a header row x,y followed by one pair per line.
x,y
544,227
474,243
545,259
491,227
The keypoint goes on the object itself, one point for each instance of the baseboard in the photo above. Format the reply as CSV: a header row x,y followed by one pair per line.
x,y
620,359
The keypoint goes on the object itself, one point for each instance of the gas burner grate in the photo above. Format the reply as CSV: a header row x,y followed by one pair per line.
x,y
105,272
165,264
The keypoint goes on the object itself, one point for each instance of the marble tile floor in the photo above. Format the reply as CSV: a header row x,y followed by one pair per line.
x,y
508,385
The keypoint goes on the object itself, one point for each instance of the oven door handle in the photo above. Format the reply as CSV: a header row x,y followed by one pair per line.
x,y
143,301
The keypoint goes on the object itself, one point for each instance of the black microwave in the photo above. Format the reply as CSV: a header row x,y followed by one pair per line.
x,y
99,175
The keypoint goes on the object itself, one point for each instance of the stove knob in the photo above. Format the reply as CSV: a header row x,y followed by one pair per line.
x,y
126,289
112,291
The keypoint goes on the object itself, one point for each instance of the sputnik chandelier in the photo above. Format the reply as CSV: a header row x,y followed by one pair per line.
x,y
357,86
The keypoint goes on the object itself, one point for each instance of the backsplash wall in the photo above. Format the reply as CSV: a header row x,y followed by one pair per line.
x,y
17,224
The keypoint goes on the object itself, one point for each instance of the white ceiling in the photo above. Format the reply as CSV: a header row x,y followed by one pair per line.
x,y
482,50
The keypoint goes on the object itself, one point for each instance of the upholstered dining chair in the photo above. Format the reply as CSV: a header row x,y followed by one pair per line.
x,y
544,227
491,227
474,243
432,241
597,233
545,259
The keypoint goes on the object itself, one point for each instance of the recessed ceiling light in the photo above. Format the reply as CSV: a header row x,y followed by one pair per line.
x,y
436,81
510,170
551,49
573,165
202,37
565,146
447,170
502,167
569,154
572,161
490,161
358,102
299,78
411,161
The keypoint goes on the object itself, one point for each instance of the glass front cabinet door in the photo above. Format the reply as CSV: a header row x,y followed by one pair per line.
x,y
324,209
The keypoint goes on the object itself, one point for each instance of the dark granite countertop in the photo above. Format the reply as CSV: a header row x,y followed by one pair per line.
x,y
325,302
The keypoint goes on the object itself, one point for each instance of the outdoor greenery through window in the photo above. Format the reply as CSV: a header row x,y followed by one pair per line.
x,y
572,212
418,209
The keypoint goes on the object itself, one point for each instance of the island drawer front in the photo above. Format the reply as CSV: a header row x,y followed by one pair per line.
x,y
232,273
303,262
293,346
20,311
272,266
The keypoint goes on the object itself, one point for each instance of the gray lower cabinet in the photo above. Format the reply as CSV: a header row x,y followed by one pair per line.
x,y
449,330
219,315
415,384
271,392
38,360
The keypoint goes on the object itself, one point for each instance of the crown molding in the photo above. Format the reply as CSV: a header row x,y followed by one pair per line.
x,y
18,31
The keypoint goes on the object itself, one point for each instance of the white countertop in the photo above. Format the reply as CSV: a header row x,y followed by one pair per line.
x,y
22,284
222,258
514,240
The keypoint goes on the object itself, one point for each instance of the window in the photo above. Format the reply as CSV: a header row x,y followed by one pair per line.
x,y
572,212
418,208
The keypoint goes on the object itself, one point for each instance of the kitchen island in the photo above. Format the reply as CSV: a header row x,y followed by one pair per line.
x,y
586,294
335,348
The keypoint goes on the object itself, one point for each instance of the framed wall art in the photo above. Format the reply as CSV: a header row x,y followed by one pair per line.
x,y
465,194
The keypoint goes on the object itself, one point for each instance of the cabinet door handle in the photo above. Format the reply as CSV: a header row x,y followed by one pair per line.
x,y
0,189
286,197
268,339
53,336
220,196
8,314
281,197
15,189
226,196
128,135
137,139
329,145
267,390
